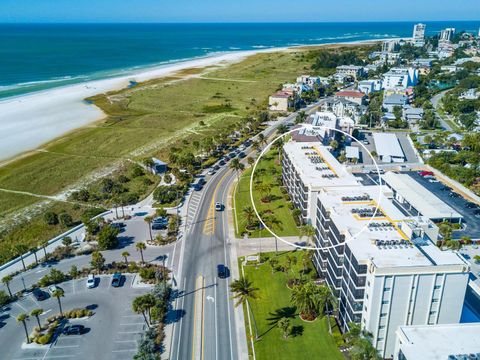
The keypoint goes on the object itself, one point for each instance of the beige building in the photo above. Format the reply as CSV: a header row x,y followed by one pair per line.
x,y
281,101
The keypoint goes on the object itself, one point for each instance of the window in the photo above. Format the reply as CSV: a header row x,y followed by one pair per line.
x,y
434,300
382,315
387,289
384,302
436,287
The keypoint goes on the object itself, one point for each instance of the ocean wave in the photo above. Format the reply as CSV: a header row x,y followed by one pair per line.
x,y
234,48
261,46
30,84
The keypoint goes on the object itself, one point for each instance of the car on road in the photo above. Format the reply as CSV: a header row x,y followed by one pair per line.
x,y
476,213
222,271
117,279
91,281
39,294
218,206
53,288
471,205
222,162
445,188
433,180
73,330
211,171
454,194
216,167
425,173
241,155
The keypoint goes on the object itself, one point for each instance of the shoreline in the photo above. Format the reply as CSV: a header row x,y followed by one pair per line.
x,y
46,115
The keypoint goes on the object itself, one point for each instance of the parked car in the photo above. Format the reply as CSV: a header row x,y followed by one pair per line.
x,y
453,194
216,167
53,288
433,180
118,225
73,330
366,142
39,294
159,223
218,206
91,281
222,271
211,171
117,279
471,205
241,155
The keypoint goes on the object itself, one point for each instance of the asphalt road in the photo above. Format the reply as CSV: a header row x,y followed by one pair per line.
x,y
206,246
436,104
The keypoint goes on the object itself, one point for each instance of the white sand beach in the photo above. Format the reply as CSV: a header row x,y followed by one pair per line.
x,y
28,121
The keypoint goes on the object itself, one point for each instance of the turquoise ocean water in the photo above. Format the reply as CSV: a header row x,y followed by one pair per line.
x,y
35,57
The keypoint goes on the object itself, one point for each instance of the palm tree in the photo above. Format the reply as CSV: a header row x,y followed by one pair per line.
x,y
329,300
148,220
140,247
249,215
279,146
256,145
282,129
22,249
140,305
237,166
6,281
23,318
243,291
34,250
58,294
308,231
125,255
305,298
301,117
37,313
285,326
261,139
250,160
43,244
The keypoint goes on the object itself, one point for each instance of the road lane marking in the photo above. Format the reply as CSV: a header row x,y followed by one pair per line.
x,y
198,310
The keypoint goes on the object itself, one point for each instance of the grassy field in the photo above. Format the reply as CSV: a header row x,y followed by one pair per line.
x,y
311,340
267,171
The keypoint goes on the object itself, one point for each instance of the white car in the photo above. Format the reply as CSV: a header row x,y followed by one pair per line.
x,y
218,207
53,288
90,281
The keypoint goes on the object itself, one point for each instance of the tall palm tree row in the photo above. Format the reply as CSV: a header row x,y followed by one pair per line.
x,y
141,247
236,166
23,319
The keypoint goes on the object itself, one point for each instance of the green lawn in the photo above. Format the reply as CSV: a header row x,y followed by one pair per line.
x,y
267,171
312,339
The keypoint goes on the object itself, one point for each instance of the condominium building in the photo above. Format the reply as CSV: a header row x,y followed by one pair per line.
x,y
447,34
352,71
400,78
386,272
307,168
433,342
419,34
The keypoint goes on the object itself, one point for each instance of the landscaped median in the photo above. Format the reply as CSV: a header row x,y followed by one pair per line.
x,y
272,204
282,333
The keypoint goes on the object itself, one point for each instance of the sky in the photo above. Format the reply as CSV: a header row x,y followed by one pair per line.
x,y
236,11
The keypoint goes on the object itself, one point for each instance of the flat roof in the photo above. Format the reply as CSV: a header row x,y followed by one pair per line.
x,y
386,144
352,152
388,225
316,166
433,342
424,201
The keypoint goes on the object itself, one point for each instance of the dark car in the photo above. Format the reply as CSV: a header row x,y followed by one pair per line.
x,y
222,271
39,294
453,194
73,330
117,279
471,205
118,225
222,162
241,155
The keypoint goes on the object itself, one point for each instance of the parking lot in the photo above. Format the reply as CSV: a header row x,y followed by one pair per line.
x,y
471,223
111,333
471,226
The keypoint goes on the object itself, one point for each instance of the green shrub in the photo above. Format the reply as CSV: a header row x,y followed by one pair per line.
x,y
44,339
147,273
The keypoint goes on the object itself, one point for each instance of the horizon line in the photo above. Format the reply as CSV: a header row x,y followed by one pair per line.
x,y
220,22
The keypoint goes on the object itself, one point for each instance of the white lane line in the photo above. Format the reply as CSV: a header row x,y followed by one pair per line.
x,y
225,236
181,320
216,327
21,307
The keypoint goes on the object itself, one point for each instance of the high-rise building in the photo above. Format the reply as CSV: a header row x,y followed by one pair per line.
x,y
447,34
387,272
419,34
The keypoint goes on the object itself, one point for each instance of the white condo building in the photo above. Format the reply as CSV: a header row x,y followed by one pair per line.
x,y
419,34
400,78
447,34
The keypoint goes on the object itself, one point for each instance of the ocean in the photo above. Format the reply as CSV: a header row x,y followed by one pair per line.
x,y
36,57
